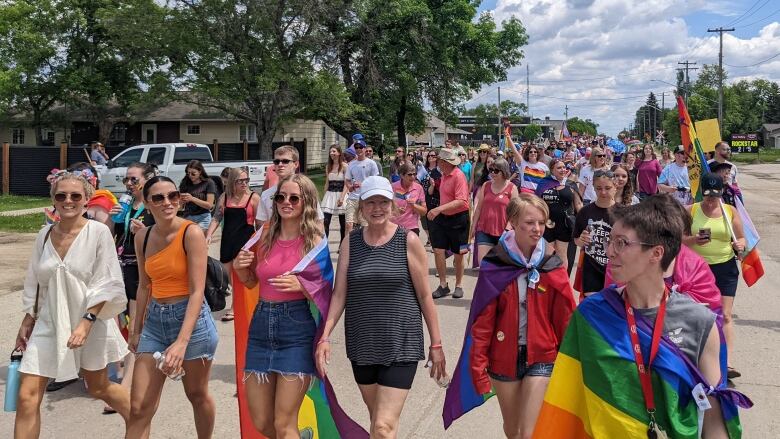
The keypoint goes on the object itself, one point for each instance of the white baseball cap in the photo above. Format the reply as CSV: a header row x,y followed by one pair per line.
x,y
376,185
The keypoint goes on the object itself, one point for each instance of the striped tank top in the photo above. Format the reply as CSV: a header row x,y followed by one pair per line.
x,y
383,321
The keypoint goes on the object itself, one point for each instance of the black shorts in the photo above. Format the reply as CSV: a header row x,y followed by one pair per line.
x,y
560,232
726,277
397,375
450,232
130,276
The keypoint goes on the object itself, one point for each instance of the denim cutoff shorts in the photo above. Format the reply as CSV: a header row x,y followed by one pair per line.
x,y
281,339
162,326
203,220
524,369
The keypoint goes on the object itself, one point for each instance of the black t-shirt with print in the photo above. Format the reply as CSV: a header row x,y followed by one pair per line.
x,y
199,191
595,265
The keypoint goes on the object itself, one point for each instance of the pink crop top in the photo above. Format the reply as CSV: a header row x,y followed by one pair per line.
x,y
283,257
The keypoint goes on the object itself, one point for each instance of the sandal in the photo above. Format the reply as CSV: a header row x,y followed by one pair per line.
x,y
733,373
108,410
227,317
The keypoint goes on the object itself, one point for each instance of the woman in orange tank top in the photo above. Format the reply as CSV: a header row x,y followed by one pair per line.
x,y
177,322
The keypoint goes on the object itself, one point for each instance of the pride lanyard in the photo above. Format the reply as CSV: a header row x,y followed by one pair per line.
x,y
644,371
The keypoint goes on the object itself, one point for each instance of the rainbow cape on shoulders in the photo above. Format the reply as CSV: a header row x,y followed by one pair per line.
x,y
595,392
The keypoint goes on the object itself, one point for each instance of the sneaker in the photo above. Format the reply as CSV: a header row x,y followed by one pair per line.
x,y
57,385
441,292
457,293
733,373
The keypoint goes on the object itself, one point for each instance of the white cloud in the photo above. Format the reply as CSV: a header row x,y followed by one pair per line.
x,y
625,44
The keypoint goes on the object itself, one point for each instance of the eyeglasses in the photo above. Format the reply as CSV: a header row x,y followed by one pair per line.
x,y
601,155
533,152
293,199
283,161
495,171
242,181
462,154
619,243
62,196
431,156
359,146
133,180
608,174
159,199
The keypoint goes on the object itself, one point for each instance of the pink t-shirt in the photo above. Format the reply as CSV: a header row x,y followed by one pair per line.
x,y
454,187
647,176
403,198
283,257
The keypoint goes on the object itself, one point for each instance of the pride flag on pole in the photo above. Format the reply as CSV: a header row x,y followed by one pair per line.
x,y
752,267
697,163
320,416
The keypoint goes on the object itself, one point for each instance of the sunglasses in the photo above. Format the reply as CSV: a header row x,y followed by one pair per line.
x,y
462,155
62,196
711,192
282,161
608,174
281,198
242,181
533,152
133,180
601,155
495,171
158,199
411,174
432,156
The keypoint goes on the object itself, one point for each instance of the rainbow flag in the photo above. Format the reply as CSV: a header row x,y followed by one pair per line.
x,y
244,303
320,416
752,267
495,274
595,392
697,163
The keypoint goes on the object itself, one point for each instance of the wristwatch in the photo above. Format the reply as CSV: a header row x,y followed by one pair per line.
x,y
89,316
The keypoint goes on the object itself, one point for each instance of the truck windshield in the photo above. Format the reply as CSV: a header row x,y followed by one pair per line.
x,y
183,155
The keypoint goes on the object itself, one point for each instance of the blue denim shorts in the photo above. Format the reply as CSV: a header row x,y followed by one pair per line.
x,y
162,326
524,369
483,238
202,220
281,339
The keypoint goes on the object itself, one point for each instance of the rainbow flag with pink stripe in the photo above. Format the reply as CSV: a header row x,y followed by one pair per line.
x,y
594,391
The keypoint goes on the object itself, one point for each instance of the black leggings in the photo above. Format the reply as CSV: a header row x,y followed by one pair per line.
x,y
326,223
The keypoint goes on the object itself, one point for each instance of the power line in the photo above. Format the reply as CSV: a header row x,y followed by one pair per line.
x,y
742,26
749,15
554,81
753,65
743,14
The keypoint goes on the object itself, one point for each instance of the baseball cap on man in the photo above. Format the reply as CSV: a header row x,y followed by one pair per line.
x,y
360,144
376,185
350,151
358,136
450,156
679,149
711,185
715,166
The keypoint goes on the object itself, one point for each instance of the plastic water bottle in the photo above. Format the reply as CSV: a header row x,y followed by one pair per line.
x,y
159,357
125,200
590,225
444,381
12,382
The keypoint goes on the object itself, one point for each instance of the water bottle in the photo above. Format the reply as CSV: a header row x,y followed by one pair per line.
x,y
125,201
159,357
590,225
12,382
444,381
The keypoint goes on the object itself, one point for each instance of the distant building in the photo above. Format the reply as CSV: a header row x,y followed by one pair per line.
x,y
771,135
436,131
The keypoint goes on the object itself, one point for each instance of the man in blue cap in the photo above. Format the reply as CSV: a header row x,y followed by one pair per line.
x,y
357,171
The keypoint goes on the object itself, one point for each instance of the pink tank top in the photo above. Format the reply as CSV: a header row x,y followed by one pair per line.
x,y
492,218
283,257
248,207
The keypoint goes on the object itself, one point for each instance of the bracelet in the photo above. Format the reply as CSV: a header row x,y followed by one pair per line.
x,y
435,346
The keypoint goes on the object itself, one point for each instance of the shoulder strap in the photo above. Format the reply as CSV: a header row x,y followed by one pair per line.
x,y
146,238
38,287
183,238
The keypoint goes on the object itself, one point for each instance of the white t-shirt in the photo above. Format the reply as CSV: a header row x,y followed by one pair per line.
x,y
586,179
359,170
732,173
675,175
266,206
522,292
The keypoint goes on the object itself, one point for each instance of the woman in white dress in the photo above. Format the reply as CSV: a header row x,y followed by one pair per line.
x,y
335,193
72,292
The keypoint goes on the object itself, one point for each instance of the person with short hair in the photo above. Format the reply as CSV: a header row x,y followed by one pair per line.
x,y
563,201
409,198
721,155
382,287
449,223
674,178
521,307
465,165
398,159
596,162
730,194
592,230
357,171
650,354
98,155
74,284
712,239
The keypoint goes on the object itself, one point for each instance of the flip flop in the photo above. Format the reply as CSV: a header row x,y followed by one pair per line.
x,y
227,317
108,411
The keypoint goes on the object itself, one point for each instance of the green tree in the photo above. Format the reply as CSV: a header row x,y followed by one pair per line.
x,y
531,132
486,115
587,126
395,55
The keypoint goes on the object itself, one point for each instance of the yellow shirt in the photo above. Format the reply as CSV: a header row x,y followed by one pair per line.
x,y
719,249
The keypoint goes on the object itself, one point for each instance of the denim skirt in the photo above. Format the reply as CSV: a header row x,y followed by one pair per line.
x,y
162,326
281,339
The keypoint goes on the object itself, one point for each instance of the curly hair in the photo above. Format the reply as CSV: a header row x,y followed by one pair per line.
x,y
310,228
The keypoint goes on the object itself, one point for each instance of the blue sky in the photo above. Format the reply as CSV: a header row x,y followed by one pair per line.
x,y
602,57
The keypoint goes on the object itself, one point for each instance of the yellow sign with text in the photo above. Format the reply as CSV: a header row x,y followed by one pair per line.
x,y
708,132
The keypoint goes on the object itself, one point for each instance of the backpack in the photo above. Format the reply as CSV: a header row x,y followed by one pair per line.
x,y
217,278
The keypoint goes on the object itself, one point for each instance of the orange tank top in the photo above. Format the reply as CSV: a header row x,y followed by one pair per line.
x,y
167,269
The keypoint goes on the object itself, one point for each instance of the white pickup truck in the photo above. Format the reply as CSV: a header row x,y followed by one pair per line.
x,y
171,159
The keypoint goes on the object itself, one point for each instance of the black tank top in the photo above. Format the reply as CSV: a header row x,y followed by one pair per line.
x,y
235,231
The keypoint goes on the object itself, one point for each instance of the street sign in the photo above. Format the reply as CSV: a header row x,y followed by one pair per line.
x,y
745,142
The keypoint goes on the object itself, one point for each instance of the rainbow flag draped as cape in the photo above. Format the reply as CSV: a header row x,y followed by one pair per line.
x,y
595,392
697,163
494,276
320,415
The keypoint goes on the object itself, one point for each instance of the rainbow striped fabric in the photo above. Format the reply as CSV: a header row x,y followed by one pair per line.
x,y
595,392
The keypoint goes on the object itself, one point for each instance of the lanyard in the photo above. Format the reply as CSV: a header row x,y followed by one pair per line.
x,y
127,218
644,371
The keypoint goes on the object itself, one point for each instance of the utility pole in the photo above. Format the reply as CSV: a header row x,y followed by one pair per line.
x,y
528,93
687,87
720,30
498,110
663,114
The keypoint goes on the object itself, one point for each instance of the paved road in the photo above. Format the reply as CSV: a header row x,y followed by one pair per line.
x,y
70,413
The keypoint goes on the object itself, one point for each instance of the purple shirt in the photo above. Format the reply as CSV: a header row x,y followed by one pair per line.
x,y
647,176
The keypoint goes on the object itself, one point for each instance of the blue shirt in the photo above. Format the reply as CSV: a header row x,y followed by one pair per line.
x,y
466,168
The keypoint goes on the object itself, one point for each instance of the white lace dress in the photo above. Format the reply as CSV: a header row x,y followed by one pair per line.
x,y
88,275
